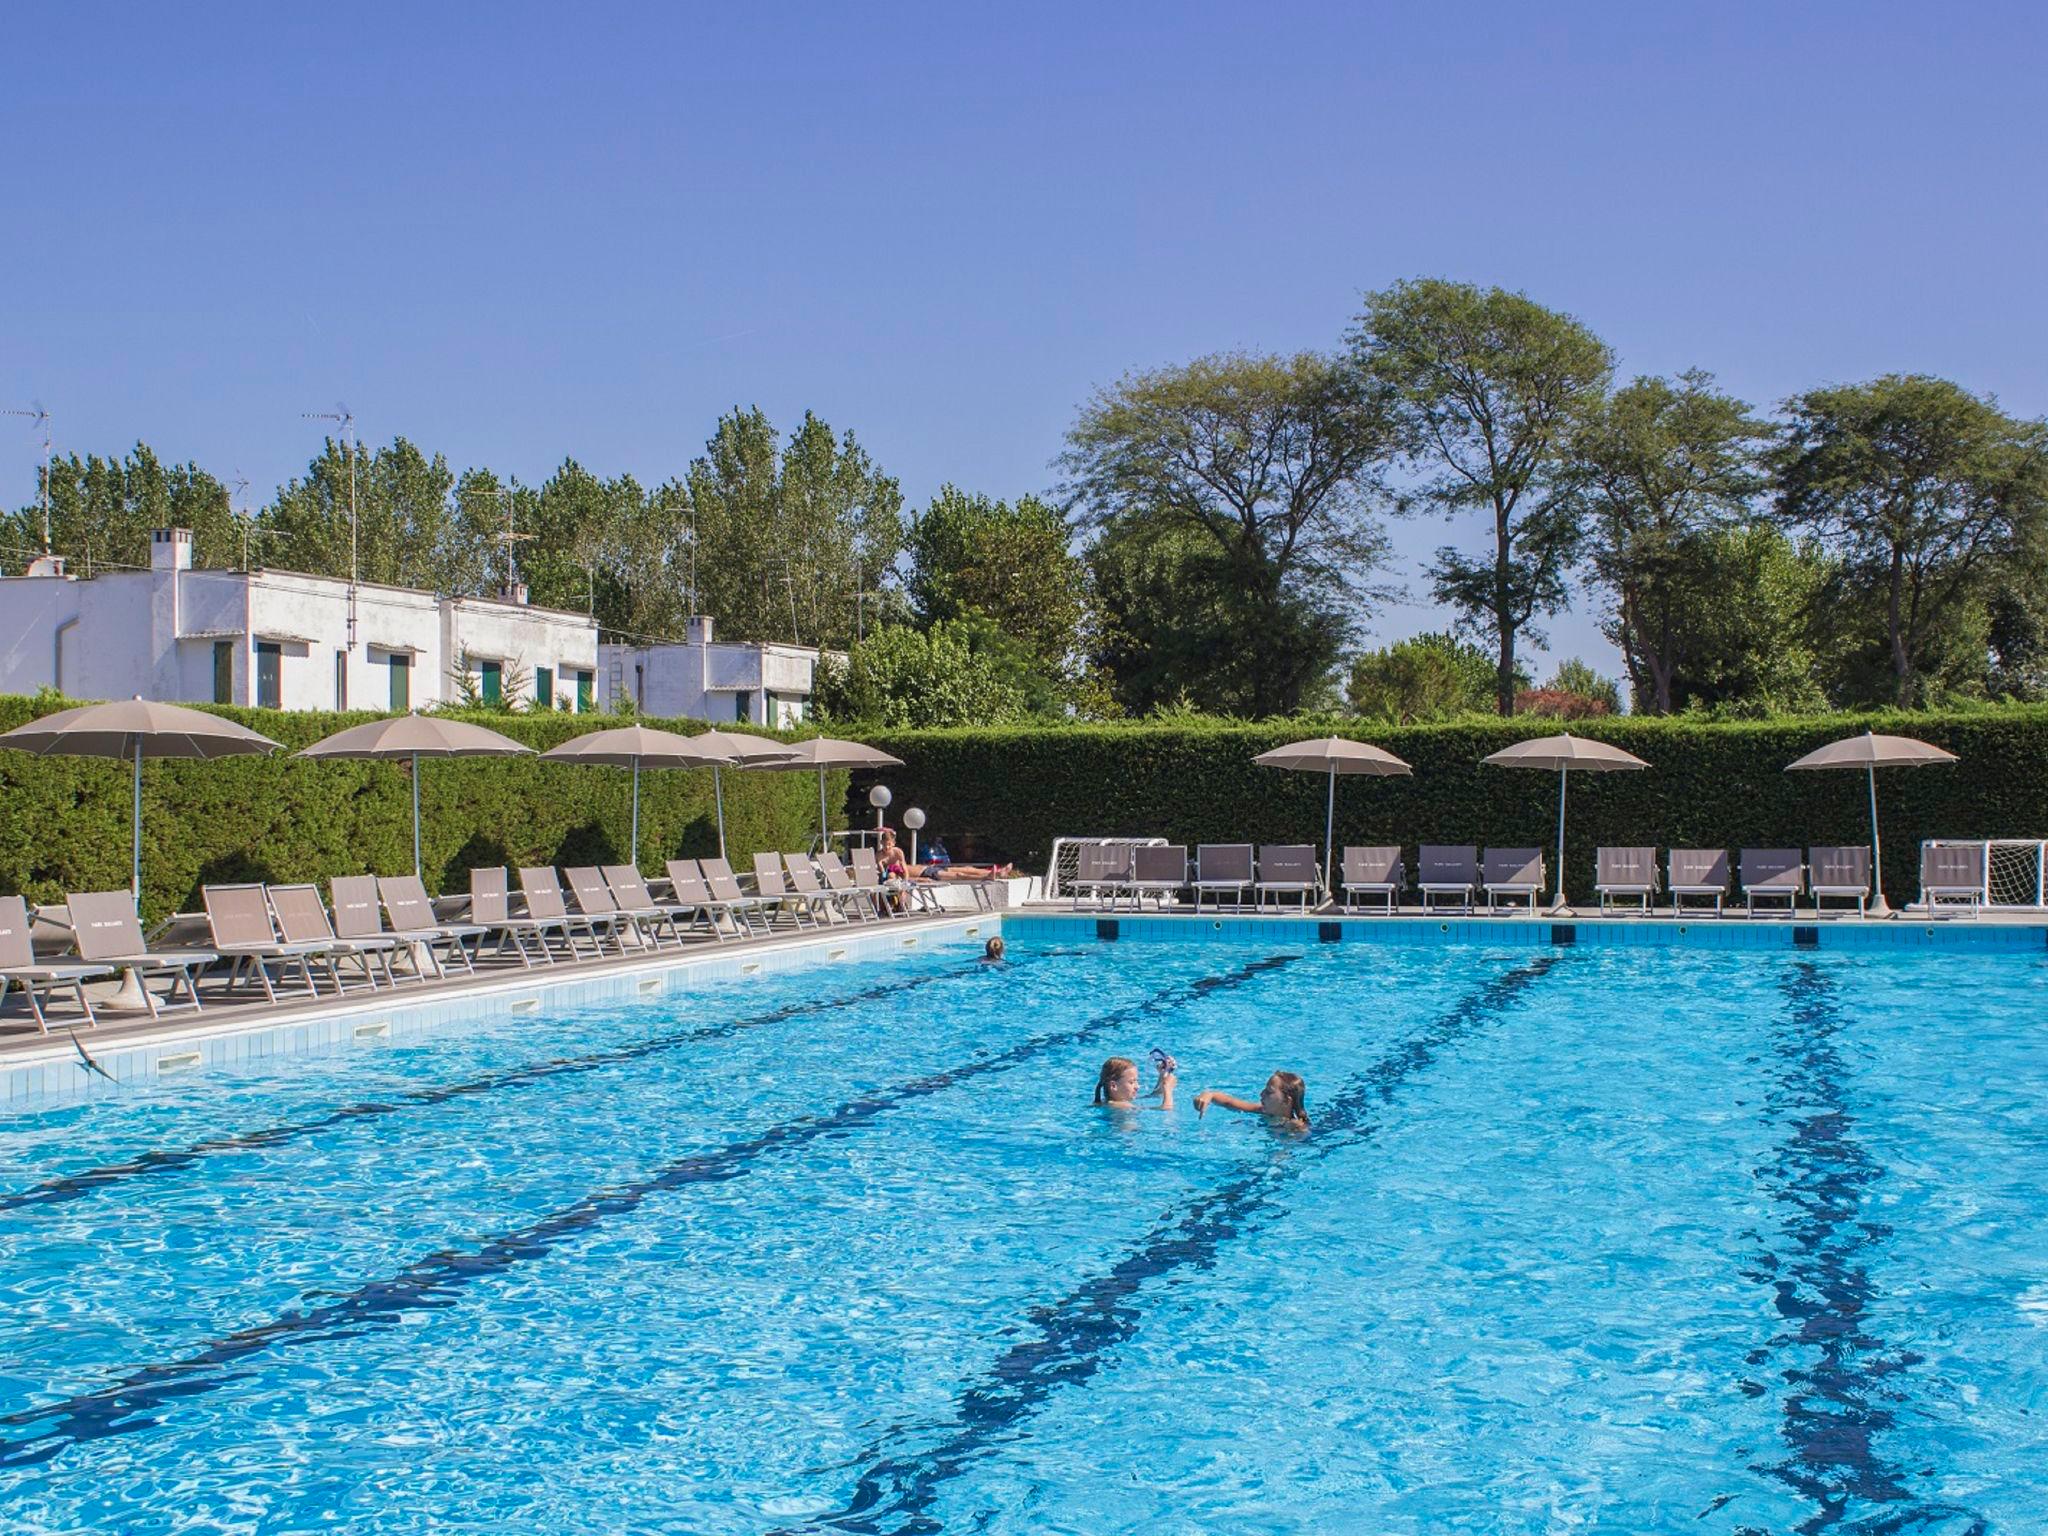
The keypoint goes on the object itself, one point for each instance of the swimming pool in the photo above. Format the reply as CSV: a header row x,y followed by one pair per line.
x,y
1582,1239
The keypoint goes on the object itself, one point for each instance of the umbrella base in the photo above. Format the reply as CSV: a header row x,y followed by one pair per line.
x,y
129,997
1879,907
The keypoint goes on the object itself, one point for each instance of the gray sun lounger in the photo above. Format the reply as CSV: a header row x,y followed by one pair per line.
x,y
245,934
359,914
107,932
412,914
1952,872
1447,869
1512,873
596,900
688,886
302,918
867,876
845,889
1698,872
1160,871
39,981
804,881
780,899
1288,869
490,907
1222,869
724,888
542,889
629,889
1372,872
1624,874
1772,874
1101,872
1840,874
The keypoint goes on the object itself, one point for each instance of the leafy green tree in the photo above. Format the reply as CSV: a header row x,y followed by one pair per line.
x,y
1580,680
788,535
1235,486
900,676
1650,470
1010,562
1424,678
406,522
1754,646
102,512
1923,491
1484,386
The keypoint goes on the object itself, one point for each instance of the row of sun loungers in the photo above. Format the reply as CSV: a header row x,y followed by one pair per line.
x,y
385,932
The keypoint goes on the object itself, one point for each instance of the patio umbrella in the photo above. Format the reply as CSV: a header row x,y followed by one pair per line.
x,y
824,754
630,746
413,737
1564,753
1869,752
133,729
1333,755
733,749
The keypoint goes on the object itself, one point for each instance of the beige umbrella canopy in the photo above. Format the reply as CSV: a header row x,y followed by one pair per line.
x,y
1333,755
1871,752
629,746
413,737
133,729
1564,753
824,754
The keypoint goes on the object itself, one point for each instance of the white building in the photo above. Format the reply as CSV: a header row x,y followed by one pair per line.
x,y
280,640
702,679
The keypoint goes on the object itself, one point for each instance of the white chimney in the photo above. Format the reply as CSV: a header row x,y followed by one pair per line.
x,y
46,565
697,629
513,592
170,549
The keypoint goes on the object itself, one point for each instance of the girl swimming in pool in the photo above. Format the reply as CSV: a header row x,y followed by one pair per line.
x,y
1116,1085
1283,1101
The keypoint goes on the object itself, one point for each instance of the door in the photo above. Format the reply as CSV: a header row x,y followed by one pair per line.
x,y
491,675
223,671
269,675
401,683
543,687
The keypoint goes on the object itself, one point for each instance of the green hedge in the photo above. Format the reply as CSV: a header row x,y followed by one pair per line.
x,y
64,821
1709,785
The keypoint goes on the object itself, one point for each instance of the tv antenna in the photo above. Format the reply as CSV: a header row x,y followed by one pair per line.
x,y
342,416
41,420
238,504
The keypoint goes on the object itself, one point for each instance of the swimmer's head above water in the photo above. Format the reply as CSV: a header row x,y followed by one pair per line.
x,y
993,949
1117,1082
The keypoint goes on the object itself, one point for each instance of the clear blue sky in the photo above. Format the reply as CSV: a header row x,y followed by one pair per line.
x,y
515,233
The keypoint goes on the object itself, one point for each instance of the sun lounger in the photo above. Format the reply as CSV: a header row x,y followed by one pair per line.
x,y
688,886
778,899
1158,870
629,889
107,932
823,903
1620,874
1101,872
1842,874
1510,873
412,914
848,891
593,898
1444,869
1952,872
359,914
245,934
1288,869
1698,872
39,980
867,876
1772,874
1222,869
542,889
490,907
302,919
1371,872
718,875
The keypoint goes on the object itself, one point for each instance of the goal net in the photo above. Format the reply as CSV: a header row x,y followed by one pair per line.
x,y
1066,858
2013,869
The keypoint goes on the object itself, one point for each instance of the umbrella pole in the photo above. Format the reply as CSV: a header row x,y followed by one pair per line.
x,y
1330,836
718,794
1878,905
824,832
416,815
1563,778
135,863
634,856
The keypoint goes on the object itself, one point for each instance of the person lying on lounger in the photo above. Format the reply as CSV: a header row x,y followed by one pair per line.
x,y
890,856
1283,1101
1116,1085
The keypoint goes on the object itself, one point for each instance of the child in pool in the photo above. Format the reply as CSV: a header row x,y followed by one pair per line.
x,y
1283,1101
1116,1085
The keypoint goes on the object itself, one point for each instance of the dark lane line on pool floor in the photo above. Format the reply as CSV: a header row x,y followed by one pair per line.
x,y
75,1186
1835,1370
438,1280
1067,1341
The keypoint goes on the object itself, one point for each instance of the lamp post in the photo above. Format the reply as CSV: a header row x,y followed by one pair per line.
x,y
913,820
879,797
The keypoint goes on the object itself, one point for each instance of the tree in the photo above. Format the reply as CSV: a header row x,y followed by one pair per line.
x,y
1922,489
102,512
1577,680
1483,386
1650,469
900,676
1424,678
1241,482
788,536
970,554
1753,645
407,533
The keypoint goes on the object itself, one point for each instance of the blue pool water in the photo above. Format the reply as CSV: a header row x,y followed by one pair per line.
x,y
1581,1240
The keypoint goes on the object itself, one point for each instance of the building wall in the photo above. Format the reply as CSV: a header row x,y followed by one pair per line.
x,y
715,682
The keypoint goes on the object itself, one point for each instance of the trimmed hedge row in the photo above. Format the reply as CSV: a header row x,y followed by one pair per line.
x,y
1709,785
64,821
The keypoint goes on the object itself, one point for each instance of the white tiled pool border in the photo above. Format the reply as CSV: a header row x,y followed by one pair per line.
x,y
53,1073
